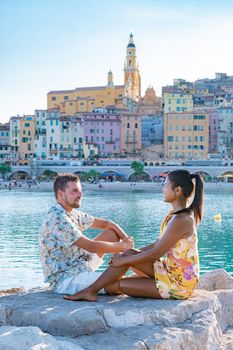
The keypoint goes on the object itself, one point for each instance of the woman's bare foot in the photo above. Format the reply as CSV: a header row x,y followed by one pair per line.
x,y
84,294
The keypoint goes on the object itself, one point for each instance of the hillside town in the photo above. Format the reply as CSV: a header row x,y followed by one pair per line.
x,y
190,121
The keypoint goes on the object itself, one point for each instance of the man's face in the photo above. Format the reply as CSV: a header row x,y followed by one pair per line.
x,y
72,196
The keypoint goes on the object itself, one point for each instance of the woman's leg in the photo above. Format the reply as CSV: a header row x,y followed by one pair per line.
x,y
143,287
109,280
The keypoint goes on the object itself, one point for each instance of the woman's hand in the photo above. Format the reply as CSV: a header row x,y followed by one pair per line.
x,y
116,260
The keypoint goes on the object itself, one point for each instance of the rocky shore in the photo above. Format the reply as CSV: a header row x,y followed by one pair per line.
x,y
39,319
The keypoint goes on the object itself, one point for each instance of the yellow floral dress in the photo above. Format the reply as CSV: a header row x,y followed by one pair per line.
x,y
176,275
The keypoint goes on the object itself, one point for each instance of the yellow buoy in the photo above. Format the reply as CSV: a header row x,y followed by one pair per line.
x,y
217,217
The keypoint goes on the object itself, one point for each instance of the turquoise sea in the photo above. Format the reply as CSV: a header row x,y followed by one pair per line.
x,y
139,213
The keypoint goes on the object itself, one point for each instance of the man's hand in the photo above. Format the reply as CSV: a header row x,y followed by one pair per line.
x,y
127,243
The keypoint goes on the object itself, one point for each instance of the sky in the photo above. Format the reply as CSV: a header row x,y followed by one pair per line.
x,y
63,44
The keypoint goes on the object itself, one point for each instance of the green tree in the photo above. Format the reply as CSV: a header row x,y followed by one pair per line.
x,y
92,175
5,169
138,169
49,173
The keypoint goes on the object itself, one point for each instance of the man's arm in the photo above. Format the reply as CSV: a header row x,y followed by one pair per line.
x,y
109,225
102,247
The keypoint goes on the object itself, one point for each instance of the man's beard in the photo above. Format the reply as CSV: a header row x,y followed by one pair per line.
x,y
73,205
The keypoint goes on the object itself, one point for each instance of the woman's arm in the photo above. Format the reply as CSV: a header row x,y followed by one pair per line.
x,y
150,246
178,227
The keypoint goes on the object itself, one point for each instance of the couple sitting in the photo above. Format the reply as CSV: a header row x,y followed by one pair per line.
x,y
70,260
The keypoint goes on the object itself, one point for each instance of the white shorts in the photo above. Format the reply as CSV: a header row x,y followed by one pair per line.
x,y
83,280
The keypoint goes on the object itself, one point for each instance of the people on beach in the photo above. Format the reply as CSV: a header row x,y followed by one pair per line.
x,y
69,259
169,267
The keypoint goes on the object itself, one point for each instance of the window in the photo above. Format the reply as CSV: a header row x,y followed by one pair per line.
x,y
66,98
53,98
199,117
27,125
136,125
170,138
128,125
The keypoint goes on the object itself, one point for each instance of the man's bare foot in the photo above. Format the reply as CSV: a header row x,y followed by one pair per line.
x,y
82,295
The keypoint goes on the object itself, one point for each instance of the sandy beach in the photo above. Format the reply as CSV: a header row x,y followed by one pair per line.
x,y
116,186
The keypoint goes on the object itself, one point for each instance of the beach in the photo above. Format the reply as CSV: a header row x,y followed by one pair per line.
x,y
116,186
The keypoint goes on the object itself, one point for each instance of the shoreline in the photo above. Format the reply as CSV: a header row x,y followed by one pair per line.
x,y
115,187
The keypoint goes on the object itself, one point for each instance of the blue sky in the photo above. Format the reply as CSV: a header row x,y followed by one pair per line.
x,y
62,44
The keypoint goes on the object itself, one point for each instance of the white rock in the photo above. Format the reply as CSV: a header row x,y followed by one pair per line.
x,y
31,338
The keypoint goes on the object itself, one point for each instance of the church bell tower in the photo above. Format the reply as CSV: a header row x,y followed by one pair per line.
x,y
132,79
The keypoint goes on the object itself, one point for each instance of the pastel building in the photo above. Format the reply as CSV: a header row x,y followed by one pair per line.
x,y
5,149
152,130
225,132
102,128
177,102
26,138
186,135
53,134
130,133
71,138
40,146
14,139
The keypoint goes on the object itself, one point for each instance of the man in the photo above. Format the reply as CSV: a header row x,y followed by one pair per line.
x,y
69,259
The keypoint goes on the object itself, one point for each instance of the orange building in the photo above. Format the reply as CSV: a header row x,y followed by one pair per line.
x,y
186,135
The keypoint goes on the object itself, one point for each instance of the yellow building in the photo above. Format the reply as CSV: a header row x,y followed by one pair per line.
x,y
177,102
26,138
85,99
186,135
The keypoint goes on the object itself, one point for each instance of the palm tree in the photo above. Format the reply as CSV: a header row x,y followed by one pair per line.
x,y
49,174
4,169
92,175
138,168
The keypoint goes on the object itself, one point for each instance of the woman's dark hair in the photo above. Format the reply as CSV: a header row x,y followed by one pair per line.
x,y
183,178
62,180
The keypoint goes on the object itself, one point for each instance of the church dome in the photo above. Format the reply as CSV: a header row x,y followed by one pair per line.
x,y
131,45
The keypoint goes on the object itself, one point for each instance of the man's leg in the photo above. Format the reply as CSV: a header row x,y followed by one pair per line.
x,y
107,236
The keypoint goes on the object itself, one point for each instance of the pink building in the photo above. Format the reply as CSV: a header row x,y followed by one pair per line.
x,y
103,129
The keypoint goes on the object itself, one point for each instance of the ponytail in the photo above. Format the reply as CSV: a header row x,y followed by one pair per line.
x,y
197,203
184,179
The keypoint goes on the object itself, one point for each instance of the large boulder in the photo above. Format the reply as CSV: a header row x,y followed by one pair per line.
x,y
205,321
